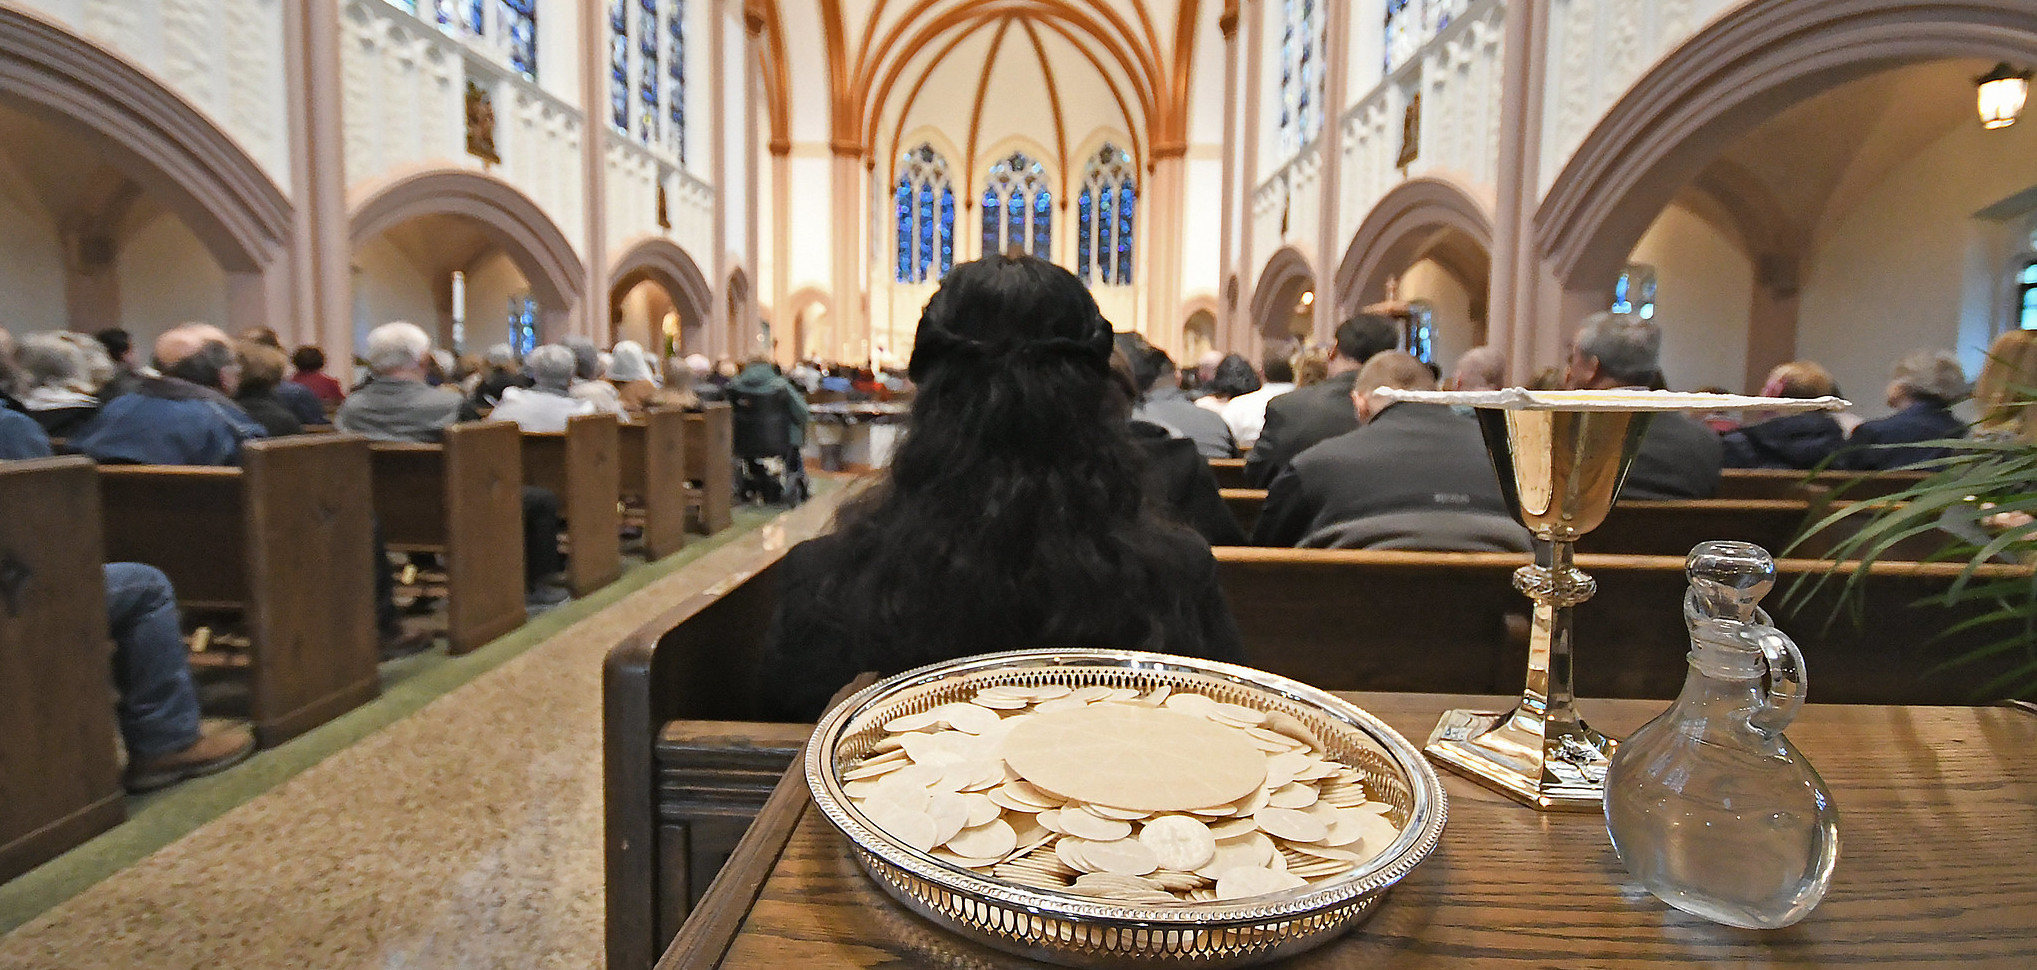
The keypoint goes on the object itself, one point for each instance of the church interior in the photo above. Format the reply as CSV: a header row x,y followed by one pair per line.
x,y
551,774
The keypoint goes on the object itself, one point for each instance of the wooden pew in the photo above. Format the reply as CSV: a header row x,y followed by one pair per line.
x,y
1766,483
581,467
463,499
1230,473
287,540
652,452
59,783
1650,528
710,460
1439,622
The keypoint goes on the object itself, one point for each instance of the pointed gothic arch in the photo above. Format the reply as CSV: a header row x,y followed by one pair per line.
x,y
1421,218
662,261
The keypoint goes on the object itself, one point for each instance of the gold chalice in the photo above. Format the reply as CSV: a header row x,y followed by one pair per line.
x,y
1561,459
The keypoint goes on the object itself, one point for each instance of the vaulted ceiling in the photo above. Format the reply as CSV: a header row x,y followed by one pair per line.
x,y
979,77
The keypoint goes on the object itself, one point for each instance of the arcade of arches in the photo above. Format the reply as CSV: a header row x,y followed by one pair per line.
x,y
1768,179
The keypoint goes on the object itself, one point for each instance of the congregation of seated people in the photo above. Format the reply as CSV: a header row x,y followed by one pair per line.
x,y
200,395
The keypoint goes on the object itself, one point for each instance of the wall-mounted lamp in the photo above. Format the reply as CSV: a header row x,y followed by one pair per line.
x,y
1308,298
2002,94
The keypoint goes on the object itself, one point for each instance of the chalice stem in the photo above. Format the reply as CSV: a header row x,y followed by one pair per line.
x,y
1551,694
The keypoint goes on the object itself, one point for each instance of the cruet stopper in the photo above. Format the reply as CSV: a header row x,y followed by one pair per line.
x,y
1709,805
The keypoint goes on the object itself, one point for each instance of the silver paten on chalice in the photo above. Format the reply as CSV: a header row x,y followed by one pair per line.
x,y
1561,457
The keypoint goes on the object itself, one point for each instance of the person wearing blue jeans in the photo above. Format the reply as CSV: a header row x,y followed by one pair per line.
x,y
159,722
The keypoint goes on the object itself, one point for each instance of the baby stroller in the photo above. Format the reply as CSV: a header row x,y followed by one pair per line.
x,y
768,466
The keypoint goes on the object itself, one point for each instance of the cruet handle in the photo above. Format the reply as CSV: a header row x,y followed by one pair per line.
x,y
1786,685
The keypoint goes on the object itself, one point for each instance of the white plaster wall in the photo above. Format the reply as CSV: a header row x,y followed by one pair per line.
x,y
642,311
389,287
31,266
167,278
1428,280
735,93
1898,272
491,281
559,49
1201,224
225,57
1704,289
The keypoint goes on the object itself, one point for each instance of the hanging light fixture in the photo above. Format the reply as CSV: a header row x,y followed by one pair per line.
x,y
2002,93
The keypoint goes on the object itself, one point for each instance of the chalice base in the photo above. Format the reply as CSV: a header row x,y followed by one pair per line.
x,y
1554,766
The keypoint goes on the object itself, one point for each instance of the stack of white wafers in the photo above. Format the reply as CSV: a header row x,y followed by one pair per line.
x,y
1112,793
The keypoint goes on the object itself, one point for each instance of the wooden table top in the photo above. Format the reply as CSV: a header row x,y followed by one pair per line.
x,y
1937,866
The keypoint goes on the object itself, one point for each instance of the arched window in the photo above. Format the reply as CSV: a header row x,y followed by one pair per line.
x,y
1634,292
647,71
1018,208
925,200
523,324
520,27
1301,72
2026,297
1411,24
1103,217
1422,330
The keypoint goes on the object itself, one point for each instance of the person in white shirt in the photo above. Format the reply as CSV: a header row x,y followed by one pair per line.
x,y
1246,413
548,405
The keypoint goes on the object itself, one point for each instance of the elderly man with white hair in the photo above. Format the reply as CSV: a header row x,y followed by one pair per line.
x,y
546,405
1679,457
397,405
1922,387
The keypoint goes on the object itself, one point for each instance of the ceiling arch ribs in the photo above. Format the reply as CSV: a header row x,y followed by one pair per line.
x,y
912,96
976,106
1053,101
925,22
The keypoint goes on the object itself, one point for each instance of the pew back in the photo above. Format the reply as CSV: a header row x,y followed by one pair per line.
x,y
1439,623
581,467
462,498
710,460
1758,483
652,457
288,539
1229,472
59,784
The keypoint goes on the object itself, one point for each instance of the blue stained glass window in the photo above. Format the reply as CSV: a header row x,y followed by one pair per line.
x,y
473,17
1301,72
1018,208
649,77
947,229
675,67
1085,227
1104,246
407,6
523,323
520,23
1634,292
444,12
924,204
618,64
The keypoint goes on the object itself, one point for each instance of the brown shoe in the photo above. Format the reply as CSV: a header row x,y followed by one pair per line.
x,y
209,754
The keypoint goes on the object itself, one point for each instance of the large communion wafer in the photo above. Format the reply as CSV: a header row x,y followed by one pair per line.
x,y
1135,757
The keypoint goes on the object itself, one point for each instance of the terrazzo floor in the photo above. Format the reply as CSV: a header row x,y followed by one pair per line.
x,y
467,835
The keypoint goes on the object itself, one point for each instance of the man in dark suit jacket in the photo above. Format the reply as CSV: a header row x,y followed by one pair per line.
x,y
1301,418
1415,476
1680,458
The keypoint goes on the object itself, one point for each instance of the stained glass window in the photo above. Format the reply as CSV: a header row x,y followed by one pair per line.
x,y
2027,291
925,217
1018,208
520,24
675,66
1411,24
523,323
1634,292
650,114
1421,336
1301,72
407,6
1103,218
618,64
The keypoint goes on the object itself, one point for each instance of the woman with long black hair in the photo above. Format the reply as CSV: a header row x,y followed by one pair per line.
x,y
1013,515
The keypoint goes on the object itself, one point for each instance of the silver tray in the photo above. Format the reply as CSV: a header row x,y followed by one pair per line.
x,y
1088,932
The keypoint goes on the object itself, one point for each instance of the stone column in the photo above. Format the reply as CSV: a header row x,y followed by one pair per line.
x,y
1246,335
852,330
1228,336
753,95
1163,258
1516,261
590,316
1330,146
314,304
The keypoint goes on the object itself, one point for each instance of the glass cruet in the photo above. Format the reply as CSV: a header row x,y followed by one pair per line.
x,y
1709,805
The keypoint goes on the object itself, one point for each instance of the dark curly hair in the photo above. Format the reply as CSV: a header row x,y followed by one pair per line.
x,y
1234,376
1013,514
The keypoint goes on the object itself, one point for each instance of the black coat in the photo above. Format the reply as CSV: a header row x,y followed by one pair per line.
x,y
271,413
1424,465
812,650
1918,422
1297,421
1680,458
1180,485
1799,441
